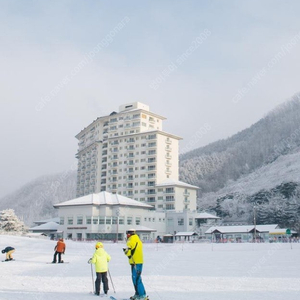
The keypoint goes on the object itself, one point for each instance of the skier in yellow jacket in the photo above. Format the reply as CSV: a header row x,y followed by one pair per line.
x,y
134,252
100,259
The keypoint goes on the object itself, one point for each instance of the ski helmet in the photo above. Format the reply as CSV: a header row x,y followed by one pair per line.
x,y
130,232
99,245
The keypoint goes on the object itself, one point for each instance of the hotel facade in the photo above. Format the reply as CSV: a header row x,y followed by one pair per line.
x,y
128,153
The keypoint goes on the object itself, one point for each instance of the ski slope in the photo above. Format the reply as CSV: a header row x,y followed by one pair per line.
x,y
171,271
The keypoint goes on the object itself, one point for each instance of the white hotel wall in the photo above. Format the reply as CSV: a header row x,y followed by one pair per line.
x,y
150,219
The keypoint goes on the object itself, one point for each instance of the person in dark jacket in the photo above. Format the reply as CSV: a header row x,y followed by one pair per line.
x,y
59,249
9,251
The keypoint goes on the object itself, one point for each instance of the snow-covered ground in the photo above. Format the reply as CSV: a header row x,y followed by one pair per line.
x,y
171,271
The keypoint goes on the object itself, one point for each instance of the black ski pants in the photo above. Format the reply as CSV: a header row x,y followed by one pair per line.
x,y
101,277
59,257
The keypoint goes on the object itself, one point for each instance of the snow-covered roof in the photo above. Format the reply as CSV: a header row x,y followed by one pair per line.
x,y
242,228
205,215
47,220
103,198
46,226
172,182
185,233
139,228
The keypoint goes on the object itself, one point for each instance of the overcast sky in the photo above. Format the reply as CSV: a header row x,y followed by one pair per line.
x,y
212,68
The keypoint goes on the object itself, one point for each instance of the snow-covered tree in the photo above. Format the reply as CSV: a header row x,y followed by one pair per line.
x,y
9,222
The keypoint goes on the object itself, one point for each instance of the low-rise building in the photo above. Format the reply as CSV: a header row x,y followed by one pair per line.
x,y
107,216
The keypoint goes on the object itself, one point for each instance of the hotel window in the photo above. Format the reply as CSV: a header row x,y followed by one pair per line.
x,y
169,198
61,221
88,220
137,221
181,221
108,220
170,206
95,220
101,220
169,190
191,221
70,220
129,220
121,220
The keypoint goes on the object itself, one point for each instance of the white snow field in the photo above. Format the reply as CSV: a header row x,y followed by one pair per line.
x,y
171,271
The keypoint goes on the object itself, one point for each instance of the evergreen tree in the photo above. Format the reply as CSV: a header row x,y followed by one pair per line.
x,y
9,222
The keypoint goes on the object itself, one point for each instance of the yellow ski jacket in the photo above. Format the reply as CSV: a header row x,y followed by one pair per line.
x,y
100,260
134,250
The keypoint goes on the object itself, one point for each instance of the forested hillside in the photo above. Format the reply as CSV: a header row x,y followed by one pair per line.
x,y
273,191
34,201
255,171
213,166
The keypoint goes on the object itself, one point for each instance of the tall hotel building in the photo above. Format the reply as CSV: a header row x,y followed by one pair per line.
x,y
128,153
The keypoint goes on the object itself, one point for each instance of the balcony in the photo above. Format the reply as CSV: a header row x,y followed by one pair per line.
x,y
151,168
169,149
151,161
169,191
150,192
151,145
168,141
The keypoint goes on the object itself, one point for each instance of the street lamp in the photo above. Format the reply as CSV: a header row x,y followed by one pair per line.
x,y
118,214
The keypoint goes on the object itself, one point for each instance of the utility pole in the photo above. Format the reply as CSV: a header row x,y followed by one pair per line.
x,y
254,221
118,214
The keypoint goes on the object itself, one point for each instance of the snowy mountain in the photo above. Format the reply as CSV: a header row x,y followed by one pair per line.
x,y
213,166
259,166
272,190
34,201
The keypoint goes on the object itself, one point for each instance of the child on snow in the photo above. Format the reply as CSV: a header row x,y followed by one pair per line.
x,y
100,259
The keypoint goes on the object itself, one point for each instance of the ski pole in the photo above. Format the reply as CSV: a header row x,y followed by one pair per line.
x,y
111,281
92,276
